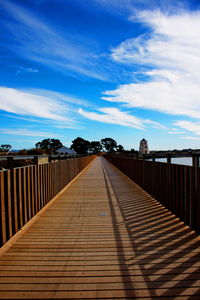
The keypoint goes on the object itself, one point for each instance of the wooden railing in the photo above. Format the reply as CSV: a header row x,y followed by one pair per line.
x,y
24,191
177,187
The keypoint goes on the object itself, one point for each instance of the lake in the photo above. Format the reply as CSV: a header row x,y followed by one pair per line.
x,y
187,161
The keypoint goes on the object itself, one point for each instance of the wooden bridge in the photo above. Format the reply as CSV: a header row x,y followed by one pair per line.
x,y
103,237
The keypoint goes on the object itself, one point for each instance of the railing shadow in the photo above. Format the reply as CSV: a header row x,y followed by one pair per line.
x,y
167,252
124,270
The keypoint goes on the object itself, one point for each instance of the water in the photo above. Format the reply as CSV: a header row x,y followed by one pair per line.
x,y
187,161
31,156
16,157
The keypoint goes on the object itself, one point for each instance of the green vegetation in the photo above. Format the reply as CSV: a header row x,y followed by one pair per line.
x,y
95,147
79,145
82,146
109,144
5,148
49,145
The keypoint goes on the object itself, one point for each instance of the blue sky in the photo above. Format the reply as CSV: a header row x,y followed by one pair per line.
x,y
126,69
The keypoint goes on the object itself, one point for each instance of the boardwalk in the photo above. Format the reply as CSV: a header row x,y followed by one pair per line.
x,y
103,238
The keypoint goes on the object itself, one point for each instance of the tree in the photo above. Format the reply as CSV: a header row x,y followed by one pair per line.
x,y
95,147
5,147
120,148
50,145
109,144
80,145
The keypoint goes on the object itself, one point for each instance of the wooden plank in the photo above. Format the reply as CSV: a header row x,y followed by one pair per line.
x,y
48,183
3,227
8,204
96,279
44,176
32,191
28,193
39,186
14,200
98,286
36,190
19,197
100,294
24,196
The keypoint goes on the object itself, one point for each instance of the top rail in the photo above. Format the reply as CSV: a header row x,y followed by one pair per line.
x,y
15,161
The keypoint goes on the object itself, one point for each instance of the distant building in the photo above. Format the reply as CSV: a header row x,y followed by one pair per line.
x,y
65,150
144,147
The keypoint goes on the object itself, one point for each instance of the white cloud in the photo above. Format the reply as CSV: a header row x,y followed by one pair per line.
x,y
53,107
28,133
171,50
194,127
176,132
25,103
113,115
52,123
59,96
190,138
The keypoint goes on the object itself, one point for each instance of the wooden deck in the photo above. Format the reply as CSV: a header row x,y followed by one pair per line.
x,y
103,238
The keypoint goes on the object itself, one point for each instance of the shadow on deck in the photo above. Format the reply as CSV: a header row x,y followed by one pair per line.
x,y
104,238
166,250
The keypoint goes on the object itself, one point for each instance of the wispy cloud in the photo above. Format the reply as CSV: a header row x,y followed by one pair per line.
x,y
51,123
176,132
194,127
117,7
26,70
57,96
112,115
36,40
192,138
171,50
50,107
126,8
17,132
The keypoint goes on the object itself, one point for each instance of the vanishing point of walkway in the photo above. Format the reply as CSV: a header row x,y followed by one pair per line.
x,y
103,238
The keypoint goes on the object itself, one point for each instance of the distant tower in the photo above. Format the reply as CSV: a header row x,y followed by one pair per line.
x,y
144,147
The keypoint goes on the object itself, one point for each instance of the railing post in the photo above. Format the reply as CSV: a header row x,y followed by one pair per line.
x,y
195,204
195,164
169,159
10,162
36,160
195,160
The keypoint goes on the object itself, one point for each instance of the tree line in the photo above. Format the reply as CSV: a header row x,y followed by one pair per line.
x,y
82,146
79,145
